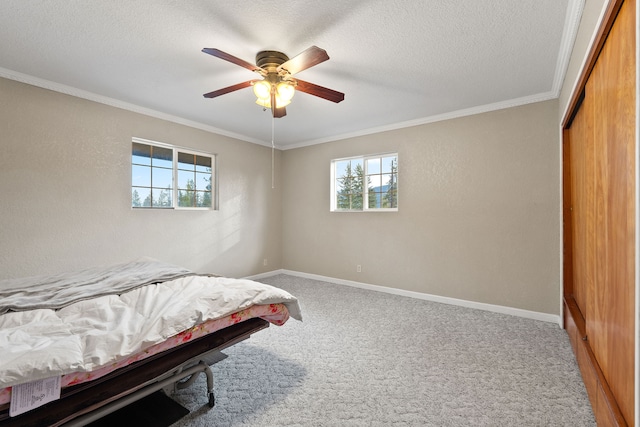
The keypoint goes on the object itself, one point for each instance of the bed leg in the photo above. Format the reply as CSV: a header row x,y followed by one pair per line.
x,y
207,371
209,374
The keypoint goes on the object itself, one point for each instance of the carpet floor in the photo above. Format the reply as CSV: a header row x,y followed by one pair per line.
x,y
365,358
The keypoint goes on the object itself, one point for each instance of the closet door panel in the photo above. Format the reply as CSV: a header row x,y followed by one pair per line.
x,y
582,200
610,308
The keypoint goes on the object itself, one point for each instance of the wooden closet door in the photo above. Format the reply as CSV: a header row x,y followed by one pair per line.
x,y
610,306
582,187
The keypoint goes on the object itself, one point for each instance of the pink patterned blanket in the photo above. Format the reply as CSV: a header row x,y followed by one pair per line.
x,y
276,314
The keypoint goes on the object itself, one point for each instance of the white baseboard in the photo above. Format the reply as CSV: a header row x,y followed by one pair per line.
x,y
266,274
544,317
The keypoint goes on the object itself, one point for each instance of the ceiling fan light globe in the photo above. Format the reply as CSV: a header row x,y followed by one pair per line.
x,y
262,89
265,103
282,102
285,91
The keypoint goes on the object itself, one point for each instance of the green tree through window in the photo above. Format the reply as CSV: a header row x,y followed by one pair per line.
x,y
194,180
351,183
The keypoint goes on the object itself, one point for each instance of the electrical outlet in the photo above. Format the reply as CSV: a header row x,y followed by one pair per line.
x,y
358,268
264,262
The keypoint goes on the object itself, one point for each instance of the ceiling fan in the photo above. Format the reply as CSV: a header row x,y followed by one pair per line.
x,y
278,85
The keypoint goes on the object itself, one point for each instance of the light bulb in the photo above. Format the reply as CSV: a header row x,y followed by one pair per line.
x,y
262,89
285,91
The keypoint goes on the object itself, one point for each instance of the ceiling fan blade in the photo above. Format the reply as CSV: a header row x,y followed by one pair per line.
x,y
319,91
277,112
310,57
235,60
228,89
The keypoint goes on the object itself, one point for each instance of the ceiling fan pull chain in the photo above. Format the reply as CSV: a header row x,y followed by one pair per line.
x,y
273,147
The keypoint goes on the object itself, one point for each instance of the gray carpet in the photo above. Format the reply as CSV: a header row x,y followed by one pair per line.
x,y
365,358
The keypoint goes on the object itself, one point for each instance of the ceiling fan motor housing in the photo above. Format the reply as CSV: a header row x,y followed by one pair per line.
x,y
270,59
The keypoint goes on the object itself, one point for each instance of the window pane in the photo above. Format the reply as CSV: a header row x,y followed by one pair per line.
x,y
357,202
393,181
162,177
203,181
186,180
203,164
387,163
141,176
186,198
161,197
373,166
344,200
374,182
341,167
141,154
374,200
140,197
186,161
390,199
162,157
349,184
203,199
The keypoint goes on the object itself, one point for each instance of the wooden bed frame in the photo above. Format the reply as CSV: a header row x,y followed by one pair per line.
x,y
84,403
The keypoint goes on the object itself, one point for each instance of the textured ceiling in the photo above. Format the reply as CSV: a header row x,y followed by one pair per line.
x,y
399,63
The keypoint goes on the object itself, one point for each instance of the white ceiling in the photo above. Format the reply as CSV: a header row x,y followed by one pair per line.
x,y
399,62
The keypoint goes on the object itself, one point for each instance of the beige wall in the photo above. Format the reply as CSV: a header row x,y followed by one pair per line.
x,y
65,185
478,211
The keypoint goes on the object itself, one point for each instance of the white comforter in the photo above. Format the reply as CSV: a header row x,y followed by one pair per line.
x,y
91,333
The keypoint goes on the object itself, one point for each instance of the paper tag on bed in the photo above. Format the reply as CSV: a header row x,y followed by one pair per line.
x,y
28,396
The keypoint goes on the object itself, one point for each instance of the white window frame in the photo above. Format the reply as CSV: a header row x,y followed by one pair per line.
x,y
365,198
174,180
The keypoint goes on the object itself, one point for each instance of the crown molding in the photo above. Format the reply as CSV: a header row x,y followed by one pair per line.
x,y
432,119
571,26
